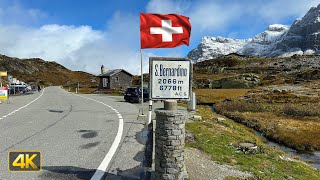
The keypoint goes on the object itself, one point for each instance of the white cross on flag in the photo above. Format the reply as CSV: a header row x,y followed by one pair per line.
x,y
164,30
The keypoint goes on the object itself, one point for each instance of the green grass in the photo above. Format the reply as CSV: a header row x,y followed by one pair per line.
x,y
218,140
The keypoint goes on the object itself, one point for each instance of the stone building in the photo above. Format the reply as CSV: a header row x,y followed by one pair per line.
x,y
116,78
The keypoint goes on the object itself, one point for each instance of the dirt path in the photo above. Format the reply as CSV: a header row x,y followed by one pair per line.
x,y
200,166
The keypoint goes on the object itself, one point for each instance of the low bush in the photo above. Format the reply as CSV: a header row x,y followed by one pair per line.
x,y
210,96
240,106
310,109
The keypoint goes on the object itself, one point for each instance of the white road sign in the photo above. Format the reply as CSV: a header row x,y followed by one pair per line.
x,y
170,78
10,79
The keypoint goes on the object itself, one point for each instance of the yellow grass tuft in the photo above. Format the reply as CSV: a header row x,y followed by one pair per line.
x,y
210,96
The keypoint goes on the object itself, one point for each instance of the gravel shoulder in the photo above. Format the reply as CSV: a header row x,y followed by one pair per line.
x,y
200,166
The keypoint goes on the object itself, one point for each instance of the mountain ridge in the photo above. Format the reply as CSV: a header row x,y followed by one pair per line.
x,y
277,40
39,71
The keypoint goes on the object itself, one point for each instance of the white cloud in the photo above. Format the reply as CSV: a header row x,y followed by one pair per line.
x,y
123,30
168,6
78,48
206,15
83,48
277,10
212,16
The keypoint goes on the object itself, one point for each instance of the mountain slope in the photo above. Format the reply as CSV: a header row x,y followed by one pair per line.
x,y
303,37
38,71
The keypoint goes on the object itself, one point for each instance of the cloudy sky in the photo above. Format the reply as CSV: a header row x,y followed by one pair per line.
x,y
83,35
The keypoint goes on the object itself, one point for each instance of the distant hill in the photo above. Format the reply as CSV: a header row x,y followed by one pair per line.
x,y
39,71
236,71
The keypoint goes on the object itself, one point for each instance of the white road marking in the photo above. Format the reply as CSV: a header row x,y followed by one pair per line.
x,y
22,106
101,170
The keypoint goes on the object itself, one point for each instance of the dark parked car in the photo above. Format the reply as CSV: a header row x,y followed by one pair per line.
x,y
18,90
133,94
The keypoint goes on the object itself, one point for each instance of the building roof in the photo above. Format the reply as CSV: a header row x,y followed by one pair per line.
x,y
114,71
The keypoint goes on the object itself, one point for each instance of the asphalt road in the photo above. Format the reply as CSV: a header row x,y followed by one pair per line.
x,y
76,134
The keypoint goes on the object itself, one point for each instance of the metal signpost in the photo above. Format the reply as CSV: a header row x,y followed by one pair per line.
x,y
170,78
10,81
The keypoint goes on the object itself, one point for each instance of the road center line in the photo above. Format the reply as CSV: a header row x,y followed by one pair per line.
x,y
9,114
101,170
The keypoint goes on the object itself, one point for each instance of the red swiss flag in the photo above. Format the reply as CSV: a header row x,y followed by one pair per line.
x,y
164,30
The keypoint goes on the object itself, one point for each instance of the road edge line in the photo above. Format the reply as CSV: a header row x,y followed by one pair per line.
x,y
11,113
101,170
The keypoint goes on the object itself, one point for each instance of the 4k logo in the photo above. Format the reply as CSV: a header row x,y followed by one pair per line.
x,y
24,160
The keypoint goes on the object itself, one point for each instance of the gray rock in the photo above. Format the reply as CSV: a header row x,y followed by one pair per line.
x,y
248,148
309,74
242,81
196,118
303,34
270,77
220,119
276,91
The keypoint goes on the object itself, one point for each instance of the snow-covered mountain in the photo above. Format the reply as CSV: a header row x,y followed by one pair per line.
x,y
303,37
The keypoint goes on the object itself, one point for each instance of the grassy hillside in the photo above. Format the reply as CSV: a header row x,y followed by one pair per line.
x,y
279,97
221,138
230,71
38,71
263,93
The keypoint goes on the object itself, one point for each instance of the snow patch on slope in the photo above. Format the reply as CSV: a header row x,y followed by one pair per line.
x,y
211,47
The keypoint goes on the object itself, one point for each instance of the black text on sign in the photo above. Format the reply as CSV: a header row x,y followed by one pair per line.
x,y
170,78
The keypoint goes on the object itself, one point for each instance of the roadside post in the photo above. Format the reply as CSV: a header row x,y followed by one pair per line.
x,y
10,81
193,102
170,80
8,99
14,81
150,112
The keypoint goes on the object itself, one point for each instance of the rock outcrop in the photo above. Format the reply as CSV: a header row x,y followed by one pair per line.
x,y
242,81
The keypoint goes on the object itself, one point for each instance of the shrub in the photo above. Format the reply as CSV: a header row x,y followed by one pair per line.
x,y
310,109
240,106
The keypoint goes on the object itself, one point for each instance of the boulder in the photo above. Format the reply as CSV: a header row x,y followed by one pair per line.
x,y
234,83
277,91
220,119
313,74
248,148
270,77
241,81
189,138
196,118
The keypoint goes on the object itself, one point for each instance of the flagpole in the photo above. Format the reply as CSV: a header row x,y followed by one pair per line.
x,y
141,80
